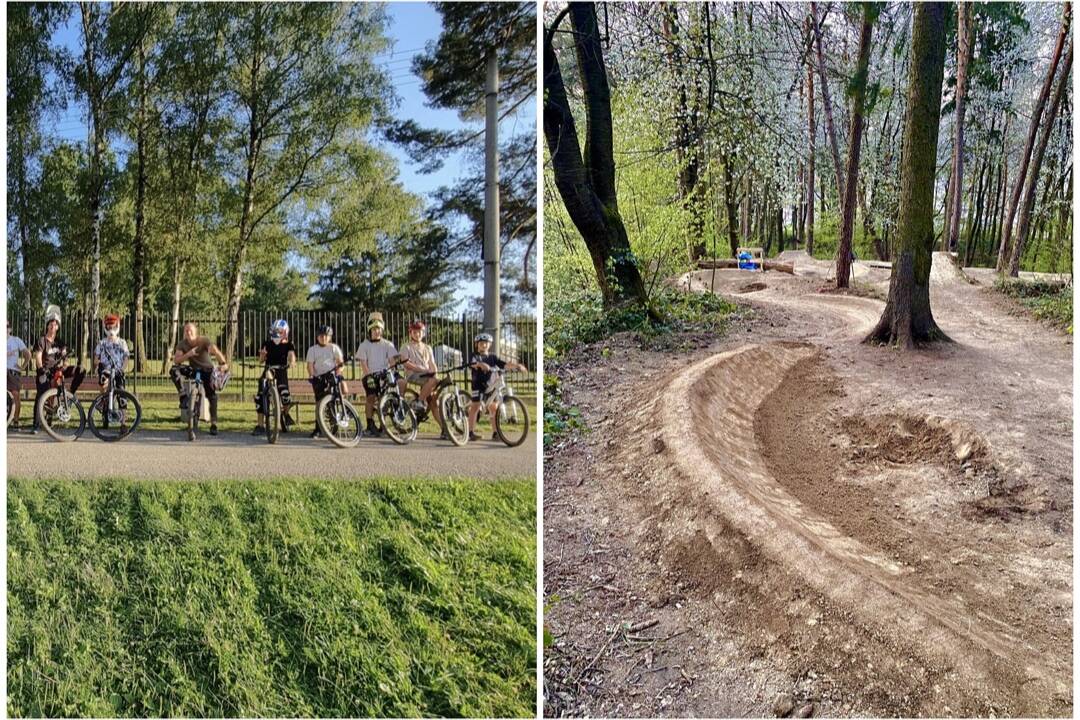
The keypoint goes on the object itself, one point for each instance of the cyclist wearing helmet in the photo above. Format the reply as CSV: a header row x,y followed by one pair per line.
x,y
16,350
323,358
47,358
277,350
375,355
421,368
111,352
482,363
196,350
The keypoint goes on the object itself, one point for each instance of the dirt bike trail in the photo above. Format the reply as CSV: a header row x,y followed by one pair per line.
x,y
836,466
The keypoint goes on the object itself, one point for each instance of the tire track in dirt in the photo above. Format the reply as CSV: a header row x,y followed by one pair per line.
x,y
717,458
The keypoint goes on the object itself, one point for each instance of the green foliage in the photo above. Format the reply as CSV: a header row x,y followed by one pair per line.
x,y
574,316
559,417
285,598
1050,302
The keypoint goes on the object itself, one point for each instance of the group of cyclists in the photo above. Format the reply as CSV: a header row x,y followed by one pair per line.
x,y
197,357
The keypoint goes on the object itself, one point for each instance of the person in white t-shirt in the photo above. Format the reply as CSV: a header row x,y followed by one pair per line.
x,y
111,353
16,350
375,355
323,358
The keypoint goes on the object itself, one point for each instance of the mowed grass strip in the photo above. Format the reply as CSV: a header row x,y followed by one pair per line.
x,y
286,598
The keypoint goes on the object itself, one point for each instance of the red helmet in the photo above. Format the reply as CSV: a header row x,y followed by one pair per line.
x,y
417,325
111,320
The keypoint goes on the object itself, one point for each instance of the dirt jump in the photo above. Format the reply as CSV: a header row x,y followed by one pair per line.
x,y
787,522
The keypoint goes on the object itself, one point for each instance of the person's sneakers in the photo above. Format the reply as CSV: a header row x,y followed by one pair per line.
x,y
371,429
494,434
213,428
259,430
315,433
34,430
444,435
473,437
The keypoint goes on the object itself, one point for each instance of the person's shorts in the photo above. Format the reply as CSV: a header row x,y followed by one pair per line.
x,y
478,392
371,384
14,383
419,378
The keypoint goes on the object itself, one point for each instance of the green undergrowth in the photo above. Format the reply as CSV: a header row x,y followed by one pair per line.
x,y
1050,302
560,418
572,318
286,598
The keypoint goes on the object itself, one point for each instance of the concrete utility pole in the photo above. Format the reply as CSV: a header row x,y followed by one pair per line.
x,y
491,202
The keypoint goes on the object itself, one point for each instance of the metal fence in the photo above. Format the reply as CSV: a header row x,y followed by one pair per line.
x,y
450,338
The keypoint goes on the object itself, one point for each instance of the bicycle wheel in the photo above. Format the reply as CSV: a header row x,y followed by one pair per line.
x,y
10,407
512,421
338,421
397,418
455,418
120,421
194,411
272,407
63,421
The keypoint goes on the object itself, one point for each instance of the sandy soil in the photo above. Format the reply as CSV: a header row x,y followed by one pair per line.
x,y
784,521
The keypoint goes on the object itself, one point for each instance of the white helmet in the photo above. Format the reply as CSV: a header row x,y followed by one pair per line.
x,y
278,330
52,312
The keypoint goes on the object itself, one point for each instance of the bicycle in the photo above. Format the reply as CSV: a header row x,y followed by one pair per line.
x,y
511,417
195,392
395,412
452,401
57,409
12,398
115,413
270,405
335,416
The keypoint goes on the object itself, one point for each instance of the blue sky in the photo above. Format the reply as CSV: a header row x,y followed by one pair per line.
x,y
412,26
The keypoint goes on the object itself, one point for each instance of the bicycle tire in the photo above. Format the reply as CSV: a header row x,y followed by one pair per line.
x,y
510,416
133,406
455,418
272,403
51,427
10,408
325,414
194,411
397,418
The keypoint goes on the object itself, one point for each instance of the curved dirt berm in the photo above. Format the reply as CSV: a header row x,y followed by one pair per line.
x,y
714,452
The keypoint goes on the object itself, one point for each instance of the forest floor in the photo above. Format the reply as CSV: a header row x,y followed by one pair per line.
x,y
783,521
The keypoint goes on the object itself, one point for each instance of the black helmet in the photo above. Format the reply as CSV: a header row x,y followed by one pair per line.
x,y
326,330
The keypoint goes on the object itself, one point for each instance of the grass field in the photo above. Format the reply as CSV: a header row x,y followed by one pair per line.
x,y
231,598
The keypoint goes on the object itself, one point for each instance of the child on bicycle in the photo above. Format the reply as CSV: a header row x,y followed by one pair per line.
x,y
111,353
323,358
482,362
199,352
49,354
421,368
276,351
375,355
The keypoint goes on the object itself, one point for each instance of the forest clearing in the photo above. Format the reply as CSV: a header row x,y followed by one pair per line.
x,y
843,488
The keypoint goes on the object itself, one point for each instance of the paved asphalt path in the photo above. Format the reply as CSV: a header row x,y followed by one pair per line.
x,y
169,456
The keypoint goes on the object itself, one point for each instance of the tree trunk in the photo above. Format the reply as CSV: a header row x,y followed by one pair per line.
x,y
729,204
94,190
586,182
826,104
1025,156
139,250
811,134
686,142
174,315
963,53
907,319
1036,164
858,98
